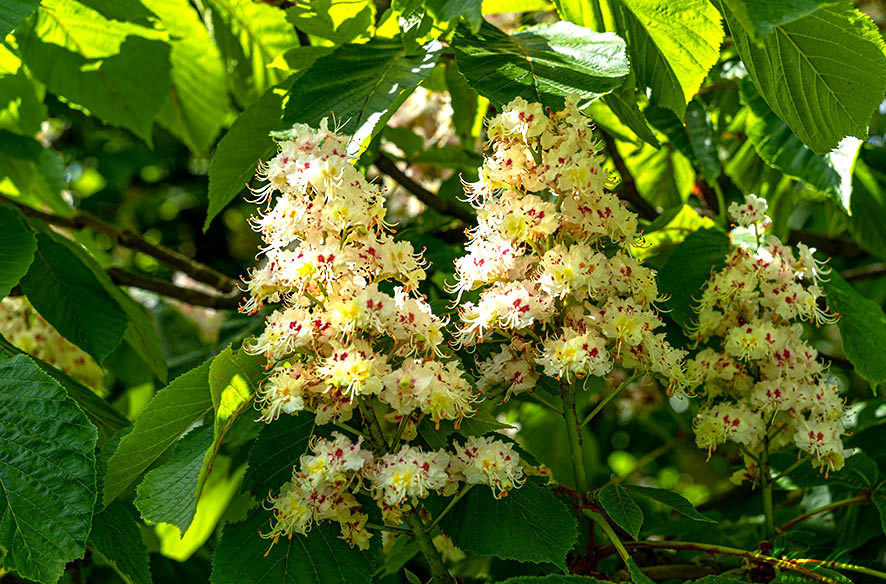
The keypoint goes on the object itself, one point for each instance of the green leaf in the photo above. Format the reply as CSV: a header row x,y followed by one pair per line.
x,y
247,142
530,525
117,71
623,103
781,149
823,74
277,448
663,176
859,472
868,206
17,247
198,95
672,44
675,501
116,537
233,380
68,295
637,575
449,157
470,10
717,579
321,557
168,493
879,501
702,140
862,327
173,410
47,472
13,12
621,508
340,21
688,268
250,36
21,98
37,173
551,579
760,17
363,85
541,64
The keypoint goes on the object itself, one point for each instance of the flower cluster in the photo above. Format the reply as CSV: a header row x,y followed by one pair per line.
x,y
764,386
23,327
551,256
324,485
350,325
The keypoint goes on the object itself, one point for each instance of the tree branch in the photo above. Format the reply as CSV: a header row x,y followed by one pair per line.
x,y
123,277
132,240
864,272
628,191
442,206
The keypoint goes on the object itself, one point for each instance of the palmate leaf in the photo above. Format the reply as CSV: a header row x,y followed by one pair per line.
x,y
540,64
68,295
823,74
530,525
17,247
173,410
118,71
47,472
673,44
361,85
321,557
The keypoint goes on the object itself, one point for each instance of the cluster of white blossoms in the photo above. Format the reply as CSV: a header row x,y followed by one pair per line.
x,y
324,484
350,333
350,325
551,255
764,386
23,327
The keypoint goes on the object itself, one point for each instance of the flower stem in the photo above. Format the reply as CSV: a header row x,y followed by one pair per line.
x,y
861,498
610,533
573,431
455,499
842,566
766,483
608,398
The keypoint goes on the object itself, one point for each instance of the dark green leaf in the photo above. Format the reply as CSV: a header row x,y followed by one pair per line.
x,y
21,98
541,64
675,501
860,472
551,579
623,103
69,296
637,575
703,140
837,72
621,508
470,10
464,103
37,172
247,142
173,410
119,72
17,247
362,85
277,448
116,537
530,525
688,268
673,45
868,207
13,12
168,493
321,557
717,579
47,472
449,157
879,501
862,327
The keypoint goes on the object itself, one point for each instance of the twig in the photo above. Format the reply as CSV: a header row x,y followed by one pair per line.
x,y
124,277
442,206
861,498
132,240
628,190
864,272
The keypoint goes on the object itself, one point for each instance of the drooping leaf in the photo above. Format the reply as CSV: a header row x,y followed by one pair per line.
x,y
862,327
277,448
530,525
674,500
240,149
362,85
760,17
173,410
250,36
168,493
69,296
621,508
823,74
198,97
780,148
623,103
688,268
47,472
233,380
541,64
13,12
118,71
321,557
116,537
17,247
673,45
